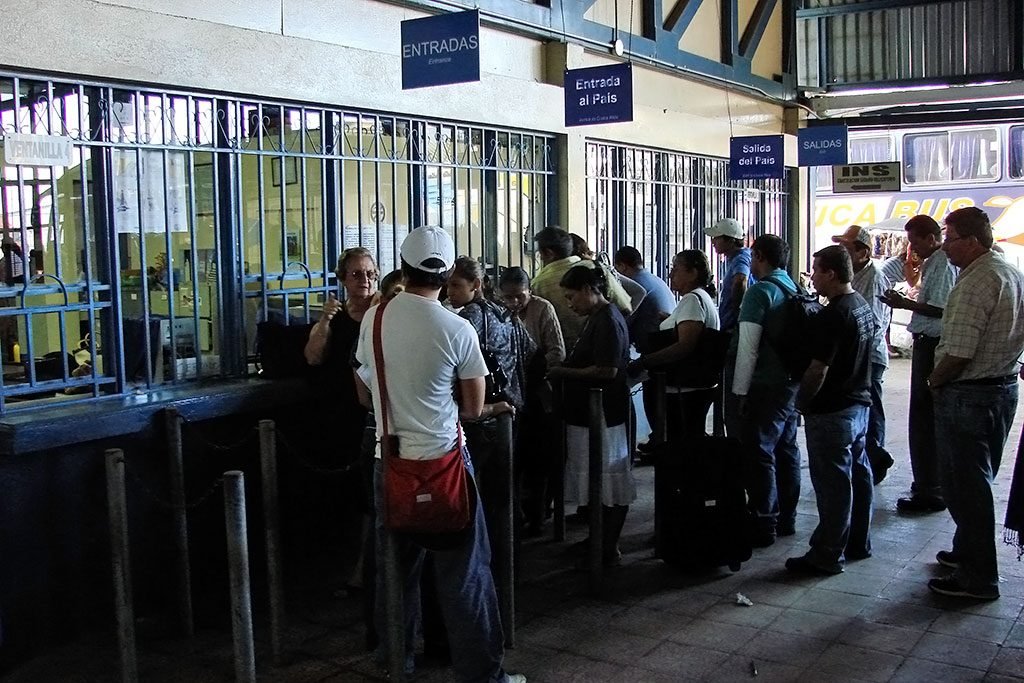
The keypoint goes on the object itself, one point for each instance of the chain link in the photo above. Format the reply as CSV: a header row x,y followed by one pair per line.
x,y
163,502
295,453
194,430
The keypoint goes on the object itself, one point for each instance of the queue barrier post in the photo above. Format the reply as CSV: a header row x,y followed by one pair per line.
x,y
238,570
117,511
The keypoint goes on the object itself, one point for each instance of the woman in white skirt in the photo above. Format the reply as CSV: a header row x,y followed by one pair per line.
x,y
599,358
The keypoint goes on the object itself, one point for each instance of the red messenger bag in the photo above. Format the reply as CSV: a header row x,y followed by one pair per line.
x,y
420,496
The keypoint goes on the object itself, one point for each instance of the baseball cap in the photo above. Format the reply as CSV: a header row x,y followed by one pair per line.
x,y
854,233
726,227
429,249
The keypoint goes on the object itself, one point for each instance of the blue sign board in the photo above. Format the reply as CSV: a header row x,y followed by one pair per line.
x,y
823,146
599,94
756,157
441,50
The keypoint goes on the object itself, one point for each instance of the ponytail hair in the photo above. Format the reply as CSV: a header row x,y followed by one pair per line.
x,y
697,260
583,277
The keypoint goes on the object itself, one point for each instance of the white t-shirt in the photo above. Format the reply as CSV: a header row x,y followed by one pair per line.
x,y
690,308
696,306
427,349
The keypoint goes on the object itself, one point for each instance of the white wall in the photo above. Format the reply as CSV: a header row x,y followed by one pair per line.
x,y
346,53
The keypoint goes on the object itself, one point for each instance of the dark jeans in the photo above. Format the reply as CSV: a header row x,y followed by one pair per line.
x,y
972,423
843,486
768,434
876,419
923,459
465,591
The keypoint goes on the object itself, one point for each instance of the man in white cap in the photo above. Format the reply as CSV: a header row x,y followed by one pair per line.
x,y
871,284
729,239
429,352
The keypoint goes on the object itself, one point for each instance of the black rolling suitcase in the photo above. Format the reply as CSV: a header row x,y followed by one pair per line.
x,y
700,508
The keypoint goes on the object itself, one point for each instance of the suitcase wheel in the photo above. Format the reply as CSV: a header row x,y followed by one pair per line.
x,y
734,567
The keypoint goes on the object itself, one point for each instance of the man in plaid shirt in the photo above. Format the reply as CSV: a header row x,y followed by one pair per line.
x,y
974,384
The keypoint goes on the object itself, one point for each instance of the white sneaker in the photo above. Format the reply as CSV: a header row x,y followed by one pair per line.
x,y
516,678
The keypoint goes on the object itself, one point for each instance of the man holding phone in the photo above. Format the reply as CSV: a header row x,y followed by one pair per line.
x,y
937,279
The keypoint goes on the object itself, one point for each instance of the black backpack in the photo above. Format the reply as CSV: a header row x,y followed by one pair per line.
x,y
790,328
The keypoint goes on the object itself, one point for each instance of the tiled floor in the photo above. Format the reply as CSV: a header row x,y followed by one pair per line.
x,y
875,622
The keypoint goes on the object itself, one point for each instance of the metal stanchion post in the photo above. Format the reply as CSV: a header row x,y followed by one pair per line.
x,y
718,409
172,423
394,613
506,556
595,493
659,435
117,509
558,487
238,569
272,531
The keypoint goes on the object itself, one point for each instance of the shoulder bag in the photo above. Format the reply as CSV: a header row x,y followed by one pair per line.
x,y
703,367
420,496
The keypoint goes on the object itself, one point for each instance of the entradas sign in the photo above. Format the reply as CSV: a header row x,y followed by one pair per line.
x,y
599,94
441,50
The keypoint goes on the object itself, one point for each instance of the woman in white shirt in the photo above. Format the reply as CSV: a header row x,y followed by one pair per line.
x,y
691,278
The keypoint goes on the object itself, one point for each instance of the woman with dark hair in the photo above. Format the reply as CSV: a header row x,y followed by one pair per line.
x,y
696,310
598,358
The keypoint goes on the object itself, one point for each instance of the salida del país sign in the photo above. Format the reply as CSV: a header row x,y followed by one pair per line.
x,y
599,94
823,146
866,177
22,149
756,157
441,50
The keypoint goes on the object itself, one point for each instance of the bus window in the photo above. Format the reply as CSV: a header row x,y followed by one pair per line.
x,y
1016,151
926,158
959,155
974,154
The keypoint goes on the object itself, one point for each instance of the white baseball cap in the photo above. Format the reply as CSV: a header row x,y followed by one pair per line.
x,y
726,227
426,243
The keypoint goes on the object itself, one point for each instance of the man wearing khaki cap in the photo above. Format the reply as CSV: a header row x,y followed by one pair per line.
x,y
871,284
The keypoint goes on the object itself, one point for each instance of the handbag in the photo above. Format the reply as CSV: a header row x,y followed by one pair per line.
x,y
703,367
497,381
420,496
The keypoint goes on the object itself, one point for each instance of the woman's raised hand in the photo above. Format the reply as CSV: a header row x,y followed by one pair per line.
x,y
331,307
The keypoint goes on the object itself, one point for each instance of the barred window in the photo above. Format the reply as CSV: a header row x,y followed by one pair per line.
x,y
185,219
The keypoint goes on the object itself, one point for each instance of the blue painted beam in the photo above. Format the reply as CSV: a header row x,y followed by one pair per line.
x,y
565,20
755,27
729,21
681,15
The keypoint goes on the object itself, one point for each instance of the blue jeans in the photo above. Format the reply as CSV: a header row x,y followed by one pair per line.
x,y
843,487
876,418
773,458
465,590
972,423
923,458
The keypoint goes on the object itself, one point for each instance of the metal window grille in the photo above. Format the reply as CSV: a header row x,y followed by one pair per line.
x,y
186,218
660,201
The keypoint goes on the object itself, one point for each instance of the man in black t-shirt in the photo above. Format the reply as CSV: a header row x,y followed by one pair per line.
x,y
835,399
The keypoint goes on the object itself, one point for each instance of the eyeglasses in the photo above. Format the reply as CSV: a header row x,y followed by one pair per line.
x,y
362,274
950,240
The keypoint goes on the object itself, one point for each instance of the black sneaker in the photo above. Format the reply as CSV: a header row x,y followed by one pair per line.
x,y
801,565
947,559
951,587
918,503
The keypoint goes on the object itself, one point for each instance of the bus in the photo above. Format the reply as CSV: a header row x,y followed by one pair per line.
x,y
943,169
